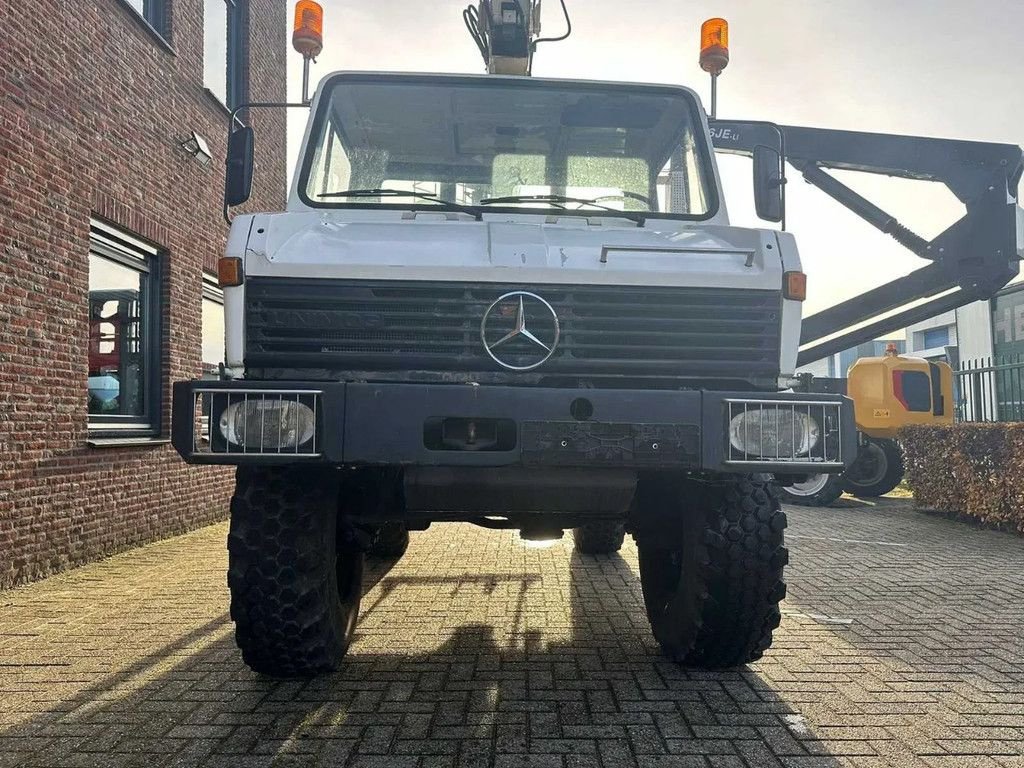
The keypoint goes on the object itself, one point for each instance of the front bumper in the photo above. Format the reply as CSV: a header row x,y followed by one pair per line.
x,y
492,426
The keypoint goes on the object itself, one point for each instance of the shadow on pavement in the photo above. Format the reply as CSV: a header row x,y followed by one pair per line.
x,y
565,674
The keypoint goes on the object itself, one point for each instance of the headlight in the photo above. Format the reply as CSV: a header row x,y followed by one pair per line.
x,y
268,425
770,432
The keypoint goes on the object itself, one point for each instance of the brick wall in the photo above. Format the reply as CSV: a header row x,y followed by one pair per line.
x,y
92,106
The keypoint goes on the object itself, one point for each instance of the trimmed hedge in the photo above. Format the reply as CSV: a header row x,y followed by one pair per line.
x,y
971,469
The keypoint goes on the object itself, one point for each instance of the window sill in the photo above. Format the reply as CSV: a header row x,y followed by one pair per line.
x,y
149,28
216,100
127,442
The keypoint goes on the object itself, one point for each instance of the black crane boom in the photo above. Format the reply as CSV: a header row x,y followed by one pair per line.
x,y
971,260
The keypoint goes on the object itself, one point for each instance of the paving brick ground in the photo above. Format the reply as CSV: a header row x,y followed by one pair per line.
x,y
902,644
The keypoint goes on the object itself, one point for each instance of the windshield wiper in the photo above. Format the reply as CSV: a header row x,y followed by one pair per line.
x,y
637,217
446,205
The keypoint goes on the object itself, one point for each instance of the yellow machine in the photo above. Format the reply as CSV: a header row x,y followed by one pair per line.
x,y
888,393
893,392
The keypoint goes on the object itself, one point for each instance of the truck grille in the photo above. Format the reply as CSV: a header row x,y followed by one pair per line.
x,y
605,330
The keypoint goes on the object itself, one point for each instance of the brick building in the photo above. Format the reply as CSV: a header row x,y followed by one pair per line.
x,y
110,224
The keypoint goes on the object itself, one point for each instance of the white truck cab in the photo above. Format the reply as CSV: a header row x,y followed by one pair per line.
x,y
514,302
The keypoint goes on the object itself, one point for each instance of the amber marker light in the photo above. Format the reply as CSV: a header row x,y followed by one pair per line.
x,y
308,33
795,286
229,272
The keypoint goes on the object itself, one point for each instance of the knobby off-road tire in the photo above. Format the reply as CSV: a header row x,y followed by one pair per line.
x,y
389,541
295,573
599,538
377,493
877,470
816,491
674,563
711,568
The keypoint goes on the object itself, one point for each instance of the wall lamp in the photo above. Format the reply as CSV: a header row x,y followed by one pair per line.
x,y
196,146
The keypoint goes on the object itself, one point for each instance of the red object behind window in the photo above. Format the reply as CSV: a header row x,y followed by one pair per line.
x,y
100,362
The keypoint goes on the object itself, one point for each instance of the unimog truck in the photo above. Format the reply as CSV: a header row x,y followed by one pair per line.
x,y
517,303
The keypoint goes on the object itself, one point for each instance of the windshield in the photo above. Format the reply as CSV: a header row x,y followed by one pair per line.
x,y
499,144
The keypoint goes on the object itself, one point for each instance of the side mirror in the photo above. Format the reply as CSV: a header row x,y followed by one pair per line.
x,y
768,181
238,179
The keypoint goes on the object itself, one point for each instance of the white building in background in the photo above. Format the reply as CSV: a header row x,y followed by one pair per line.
x,y
929,339
993,329
974,331
979,332
821,369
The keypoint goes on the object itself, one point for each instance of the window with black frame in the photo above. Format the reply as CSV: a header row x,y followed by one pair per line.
x,y
223,68
154,12
124,333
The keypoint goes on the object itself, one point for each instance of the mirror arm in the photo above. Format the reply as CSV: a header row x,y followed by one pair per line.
x,y
261,105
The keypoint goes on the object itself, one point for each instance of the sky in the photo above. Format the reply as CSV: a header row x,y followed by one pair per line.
x,y
947,68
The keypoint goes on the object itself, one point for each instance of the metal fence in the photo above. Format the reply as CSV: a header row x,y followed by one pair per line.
x,y
990,389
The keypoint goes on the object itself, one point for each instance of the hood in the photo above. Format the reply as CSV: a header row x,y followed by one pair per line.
x,y
559,250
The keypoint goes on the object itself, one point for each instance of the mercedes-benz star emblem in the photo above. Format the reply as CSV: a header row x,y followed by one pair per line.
x,y
520,331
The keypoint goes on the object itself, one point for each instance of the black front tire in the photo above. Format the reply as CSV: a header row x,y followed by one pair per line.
x,y
877,470
712,582
599,538
295,571
389,541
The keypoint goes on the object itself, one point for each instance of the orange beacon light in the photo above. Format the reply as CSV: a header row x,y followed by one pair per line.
x,y
714,45
308,33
